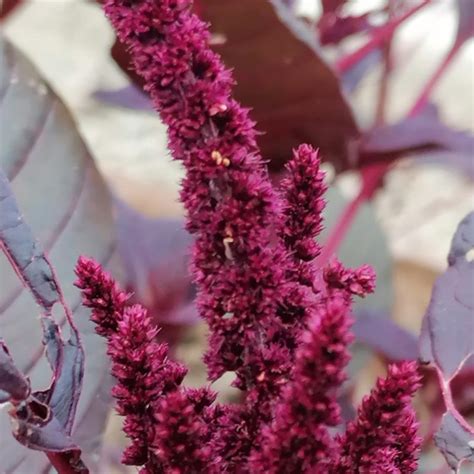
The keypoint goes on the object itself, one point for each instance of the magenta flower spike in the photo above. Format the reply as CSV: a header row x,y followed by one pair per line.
x,y
102,294
303,190
384,437
298,439
181,438
230,203
144,376
278,322
140,365
277,307
359,281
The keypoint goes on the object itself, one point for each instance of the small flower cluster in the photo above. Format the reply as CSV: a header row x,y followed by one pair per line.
x,y
303,204
384,433
178,430
297,440
276,320
143,372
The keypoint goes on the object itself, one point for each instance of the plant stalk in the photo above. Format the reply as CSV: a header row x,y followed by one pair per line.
x,y
379,36
373,173
371,178
433,81
66,463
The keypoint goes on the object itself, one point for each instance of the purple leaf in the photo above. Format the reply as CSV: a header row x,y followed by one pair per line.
x,y
384,336
61,196
334,28
465,20
455,441
64,395
34,424
155,256
25,255
421,132
447,338
34,270
463,241
36,427
461,162
13,384
353,75
294,95
129,97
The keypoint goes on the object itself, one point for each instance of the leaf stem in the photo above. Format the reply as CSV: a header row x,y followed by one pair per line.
x,y
373,173
339,230
379,36
66,462
387,69
384,86
371,177
449,403
433,81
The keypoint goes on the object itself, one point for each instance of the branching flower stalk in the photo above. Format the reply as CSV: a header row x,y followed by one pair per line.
x,y
276,320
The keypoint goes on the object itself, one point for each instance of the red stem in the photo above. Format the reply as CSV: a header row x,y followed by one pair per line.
x,y
66,463
387,69
339,230
384,84
433,81
371,178
379,36
372,174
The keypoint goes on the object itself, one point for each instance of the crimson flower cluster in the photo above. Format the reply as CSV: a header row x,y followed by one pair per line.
x,y
276,320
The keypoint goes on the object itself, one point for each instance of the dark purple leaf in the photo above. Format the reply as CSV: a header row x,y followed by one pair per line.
x,y
34,423
155,256
333,29
455,441
294,95
13,384
351,78
36,427
384,336
461,162
463,241
421,132
64,395
25,255
34,270
465,20
130,97
67,207
447,338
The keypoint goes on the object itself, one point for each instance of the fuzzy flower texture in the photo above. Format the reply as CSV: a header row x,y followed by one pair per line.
x,y
276,320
